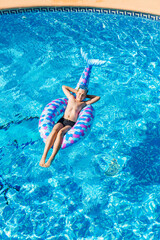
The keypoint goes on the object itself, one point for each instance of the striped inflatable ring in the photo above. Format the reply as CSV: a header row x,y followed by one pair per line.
x,y
79,130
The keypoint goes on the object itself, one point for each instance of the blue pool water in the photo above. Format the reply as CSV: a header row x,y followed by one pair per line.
x,y
74,198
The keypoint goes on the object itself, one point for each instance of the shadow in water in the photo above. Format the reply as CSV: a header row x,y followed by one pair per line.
x,y
144,163
5,187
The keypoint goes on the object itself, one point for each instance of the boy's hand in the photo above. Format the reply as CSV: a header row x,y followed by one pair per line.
x,y
93,99
67,91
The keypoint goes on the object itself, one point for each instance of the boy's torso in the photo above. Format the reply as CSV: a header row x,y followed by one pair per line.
x,y
73,109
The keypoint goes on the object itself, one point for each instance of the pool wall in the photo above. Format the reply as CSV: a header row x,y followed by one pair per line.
x,y
147,6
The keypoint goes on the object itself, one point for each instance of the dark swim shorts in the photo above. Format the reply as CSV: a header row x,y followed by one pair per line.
x,y
66,122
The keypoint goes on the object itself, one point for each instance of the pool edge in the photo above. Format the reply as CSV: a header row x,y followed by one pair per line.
x,y
80,10
149,7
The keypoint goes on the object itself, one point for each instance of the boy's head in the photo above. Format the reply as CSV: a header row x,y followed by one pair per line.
x,y
81,93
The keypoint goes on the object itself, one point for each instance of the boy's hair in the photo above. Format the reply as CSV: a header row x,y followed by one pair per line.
x,y
83,87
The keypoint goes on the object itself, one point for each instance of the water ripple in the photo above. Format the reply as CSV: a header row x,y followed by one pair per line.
x,y
74,199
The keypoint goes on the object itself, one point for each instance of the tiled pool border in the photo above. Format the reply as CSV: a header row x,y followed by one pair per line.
x,y
81,9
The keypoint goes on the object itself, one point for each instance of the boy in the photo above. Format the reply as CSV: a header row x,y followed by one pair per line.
x,y
74,106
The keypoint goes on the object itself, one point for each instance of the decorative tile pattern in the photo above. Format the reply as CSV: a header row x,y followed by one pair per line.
x,y
81,9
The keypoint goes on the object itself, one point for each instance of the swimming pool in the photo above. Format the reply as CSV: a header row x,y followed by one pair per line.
x,y
74,199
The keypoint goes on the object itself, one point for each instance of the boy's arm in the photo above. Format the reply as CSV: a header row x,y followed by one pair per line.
x,y
67,91
93,99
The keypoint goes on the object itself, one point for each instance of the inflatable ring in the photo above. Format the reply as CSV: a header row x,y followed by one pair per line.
x,y
53,110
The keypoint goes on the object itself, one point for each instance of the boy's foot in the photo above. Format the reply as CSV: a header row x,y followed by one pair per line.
x,y
42,162
47,164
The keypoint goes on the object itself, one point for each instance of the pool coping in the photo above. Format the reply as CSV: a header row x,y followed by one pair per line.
x,y
80,10
147,6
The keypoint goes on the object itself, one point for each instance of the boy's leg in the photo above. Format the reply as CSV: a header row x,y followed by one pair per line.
x,y
57,144
50,141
